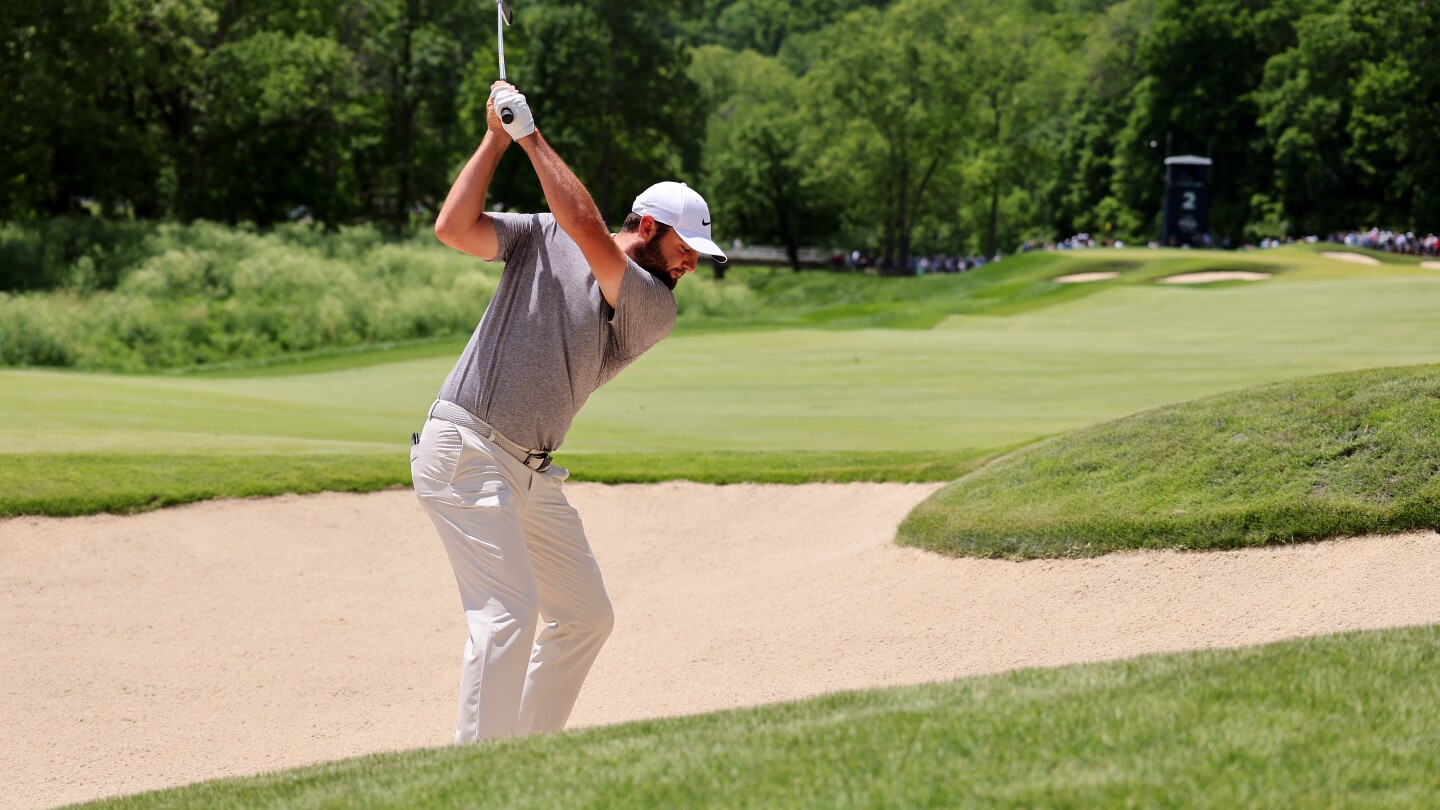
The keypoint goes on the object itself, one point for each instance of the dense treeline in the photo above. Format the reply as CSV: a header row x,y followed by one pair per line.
x,y
917,125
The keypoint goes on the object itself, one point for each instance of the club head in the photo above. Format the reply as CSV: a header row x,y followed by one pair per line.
x,y
504,10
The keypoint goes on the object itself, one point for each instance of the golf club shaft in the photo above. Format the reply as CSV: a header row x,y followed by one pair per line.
x,y
500,35
505,115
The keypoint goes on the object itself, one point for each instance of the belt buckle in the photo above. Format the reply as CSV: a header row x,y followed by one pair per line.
x,y
539,462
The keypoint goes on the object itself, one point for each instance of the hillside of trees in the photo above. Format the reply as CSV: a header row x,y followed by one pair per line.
x,y
900,127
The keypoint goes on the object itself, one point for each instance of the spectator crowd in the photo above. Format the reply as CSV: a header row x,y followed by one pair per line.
x,y
1390,241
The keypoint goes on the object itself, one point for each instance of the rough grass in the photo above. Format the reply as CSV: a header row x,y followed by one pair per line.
x,y
68,484
1341,454
722,467
1347,720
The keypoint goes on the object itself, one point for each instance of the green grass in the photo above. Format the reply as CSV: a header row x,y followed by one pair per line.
x,y
1339,720
798,467
1354,453
1023,283
789,402
85,483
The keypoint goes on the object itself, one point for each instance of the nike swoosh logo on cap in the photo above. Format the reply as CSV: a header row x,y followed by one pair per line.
x,y
704,223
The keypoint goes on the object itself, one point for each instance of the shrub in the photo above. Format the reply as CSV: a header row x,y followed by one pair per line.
x,y
205,293
697,296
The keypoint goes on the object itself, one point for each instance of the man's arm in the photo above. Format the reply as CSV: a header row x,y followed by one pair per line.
x,y
463,223
576,214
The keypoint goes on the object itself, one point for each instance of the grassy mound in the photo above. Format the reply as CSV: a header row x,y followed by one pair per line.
x,y
1294,724
1349,453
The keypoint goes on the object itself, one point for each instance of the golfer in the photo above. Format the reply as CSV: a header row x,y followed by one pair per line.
x,y
575,305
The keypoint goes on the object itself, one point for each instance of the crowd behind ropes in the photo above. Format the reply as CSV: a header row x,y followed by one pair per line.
x,y
857,261
1390,241
920,265
1373,239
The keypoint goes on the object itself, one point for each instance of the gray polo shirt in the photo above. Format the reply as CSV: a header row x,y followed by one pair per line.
x,y
549,338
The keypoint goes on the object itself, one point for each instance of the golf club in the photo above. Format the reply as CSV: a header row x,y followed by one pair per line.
x,y
502,12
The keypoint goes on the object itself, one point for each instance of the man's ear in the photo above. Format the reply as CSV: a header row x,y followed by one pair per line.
x,y
647,228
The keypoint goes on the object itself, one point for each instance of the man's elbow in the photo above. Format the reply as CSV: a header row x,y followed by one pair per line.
x,y
445,230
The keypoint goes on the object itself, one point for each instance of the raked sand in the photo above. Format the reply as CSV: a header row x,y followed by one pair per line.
x,y
233,637
1209,276
1353,258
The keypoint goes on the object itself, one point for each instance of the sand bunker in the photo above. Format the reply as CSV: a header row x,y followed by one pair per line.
x,y
1214,275
1353,258
1081,278
1430,265
233,637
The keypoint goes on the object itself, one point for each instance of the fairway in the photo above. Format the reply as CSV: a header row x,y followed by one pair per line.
x,y
982,382
972,383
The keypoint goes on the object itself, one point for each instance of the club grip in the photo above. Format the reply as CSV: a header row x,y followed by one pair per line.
x,y
506,115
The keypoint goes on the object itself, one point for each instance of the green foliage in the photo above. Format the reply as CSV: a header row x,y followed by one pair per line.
x,y
1349,143
1298,723
759,160
921,126
610,91
1351,453
202,294
887,92
764,26
795,467
63,484
80,254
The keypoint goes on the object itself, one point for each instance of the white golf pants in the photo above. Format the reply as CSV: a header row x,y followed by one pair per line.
x,y
520,555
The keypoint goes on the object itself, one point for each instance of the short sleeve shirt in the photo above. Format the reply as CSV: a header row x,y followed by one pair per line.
x,y
548,338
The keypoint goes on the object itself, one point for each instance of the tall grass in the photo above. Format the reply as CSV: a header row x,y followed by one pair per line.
x,y
203,293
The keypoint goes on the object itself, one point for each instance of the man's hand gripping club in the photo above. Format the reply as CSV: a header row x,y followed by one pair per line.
x,y
504,98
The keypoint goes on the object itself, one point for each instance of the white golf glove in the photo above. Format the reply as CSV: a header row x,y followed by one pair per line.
x,y
522,123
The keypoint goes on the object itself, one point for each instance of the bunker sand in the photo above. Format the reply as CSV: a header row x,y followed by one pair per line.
x,y
233,637
1085,278
1209,276
1353,258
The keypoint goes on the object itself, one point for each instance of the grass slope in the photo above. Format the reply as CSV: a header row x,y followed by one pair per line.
x,y
1348,719
1351,453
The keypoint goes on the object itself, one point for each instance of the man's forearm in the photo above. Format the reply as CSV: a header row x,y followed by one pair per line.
x,y
466,200
574,209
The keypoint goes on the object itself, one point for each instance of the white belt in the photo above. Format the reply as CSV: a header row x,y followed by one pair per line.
x,y
539,461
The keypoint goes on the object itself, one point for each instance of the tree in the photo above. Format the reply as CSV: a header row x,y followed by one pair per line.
x,y
1105,71
1352,142
759,175
609,88
890,99
65,133
1201,62
239,111
1017,118
764,26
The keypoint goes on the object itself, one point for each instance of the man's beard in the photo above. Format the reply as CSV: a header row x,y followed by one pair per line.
x,y
651,258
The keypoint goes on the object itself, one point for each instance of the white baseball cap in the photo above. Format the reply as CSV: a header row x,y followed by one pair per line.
x,y
680,207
